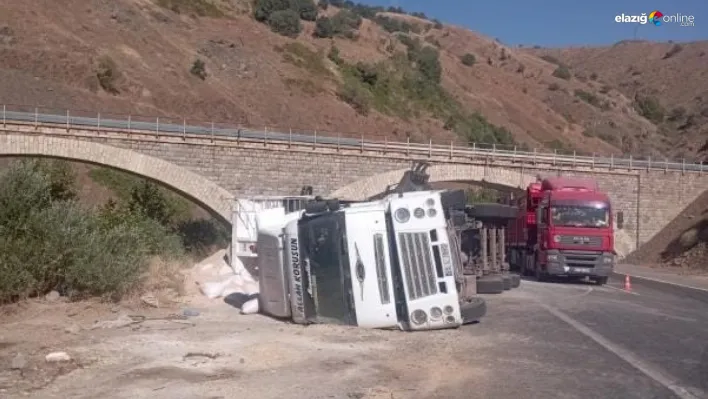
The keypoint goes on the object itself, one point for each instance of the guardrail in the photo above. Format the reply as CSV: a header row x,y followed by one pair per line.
x,y
69,120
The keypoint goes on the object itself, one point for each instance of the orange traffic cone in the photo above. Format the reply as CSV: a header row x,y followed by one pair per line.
x,y
627,283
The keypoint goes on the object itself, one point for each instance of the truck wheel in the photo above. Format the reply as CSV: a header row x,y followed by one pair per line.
x,y
473,310
507,282
515,280
601,280
490,285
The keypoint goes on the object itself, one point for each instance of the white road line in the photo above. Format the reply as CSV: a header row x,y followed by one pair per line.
x,y
624,354
621,289
656,280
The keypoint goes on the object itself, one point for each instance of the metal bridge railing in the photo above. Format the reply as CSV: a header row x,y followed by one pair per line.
x,y
169,126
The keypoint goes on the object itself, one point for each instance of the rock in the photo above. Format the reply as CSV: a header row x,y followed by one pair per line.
x,y
18,362
56,357
150,300
52,296
73,329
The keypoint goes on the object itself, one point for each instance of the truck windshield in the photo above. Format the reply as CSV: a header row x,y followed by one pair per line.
x,y
580,216
330,280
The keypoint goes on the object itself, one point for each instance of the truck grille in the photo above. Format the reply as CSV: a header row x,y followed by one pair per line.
x,y
381,268
580,259
589,241
417,264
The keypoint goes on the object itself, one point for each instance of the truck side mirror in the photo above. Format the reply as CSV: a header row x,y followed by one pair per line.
x,y
620,220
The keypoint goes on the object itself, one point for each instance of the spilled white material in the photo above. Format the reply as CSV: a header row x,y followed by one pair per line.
x,y
217,279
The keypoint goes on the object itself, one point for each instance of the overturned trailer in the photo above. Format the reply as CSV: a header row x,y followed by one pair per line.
x,y
387,263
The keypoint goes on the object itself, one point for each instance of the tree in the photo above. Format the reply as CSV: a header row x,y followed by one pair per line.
x,y
147,200
285,22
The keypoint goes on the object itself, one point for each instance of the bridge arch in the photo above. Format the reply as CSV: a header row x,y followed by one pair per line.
x,y
495,177
197,188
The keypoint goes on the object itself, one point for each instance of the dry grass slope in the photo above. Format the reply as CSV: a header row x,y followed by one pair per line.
x,y
211,60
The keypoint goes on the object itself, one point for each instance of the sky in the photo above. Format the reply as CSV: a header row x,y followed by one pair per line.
x,y
556,23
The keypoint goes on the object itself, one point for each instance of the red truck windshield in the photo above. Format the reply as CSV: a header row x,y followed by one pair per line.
x,y
580,215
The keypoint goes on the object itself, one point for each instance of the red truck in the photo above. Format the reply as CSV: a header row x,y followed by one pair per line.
x,y
564,228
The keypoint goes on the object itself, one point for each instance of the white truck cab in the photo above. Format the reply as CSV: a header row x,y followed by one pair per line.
x,y
377,264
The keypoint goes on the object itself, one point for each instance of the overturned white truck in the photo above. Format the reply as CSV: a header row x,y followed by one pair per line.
x,y
387,263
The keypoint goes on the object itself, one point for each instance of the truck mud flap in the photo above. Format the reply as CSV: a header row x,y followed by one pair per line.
x,y
490,285
473,310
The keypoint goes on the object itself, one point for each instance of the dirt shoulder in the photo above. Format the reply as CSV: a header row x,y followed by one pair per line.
x,y
137,352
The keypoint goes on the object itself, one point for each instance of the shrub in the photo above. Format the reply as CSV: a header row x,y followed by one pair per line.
x,y
393,24
202,8
554,87
562,72
285,22
593,76
334,56
588,98
437,24
356,96
198,69
107,74
323,4
264,8
306,9
468,59
675,49
427,60
650,108
324,28
49,242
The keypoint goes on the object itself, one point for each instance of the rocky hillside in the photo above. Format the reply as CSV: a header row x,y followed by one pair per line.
x,y
668,83
342,67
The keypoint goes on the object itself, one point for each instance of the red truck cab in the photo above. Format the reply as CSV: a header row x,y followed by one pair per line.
x,y
567,231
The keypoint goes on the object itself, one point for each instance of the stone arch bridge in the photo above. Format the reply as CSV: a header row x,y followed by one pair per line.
x,y
213,170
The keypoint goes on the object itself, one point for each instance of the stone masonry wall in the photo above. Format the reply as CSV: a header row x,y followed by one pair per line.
x,y
648,199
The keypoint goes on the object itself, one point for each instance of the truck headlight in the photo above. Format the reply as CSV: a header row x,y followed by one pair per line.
x,y
435,313
430,202
419,317
607,260
448,309
556,238
553,258
419,213
432,212
402,215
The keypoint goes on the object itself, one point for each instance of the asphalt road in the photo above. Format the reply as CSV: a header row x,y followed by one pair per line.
x,y
551,340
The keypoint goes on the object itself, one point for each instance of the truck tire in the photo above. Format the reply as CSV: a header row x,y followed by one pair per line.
x,y
473,310
515,280
490,285
600,280
507,282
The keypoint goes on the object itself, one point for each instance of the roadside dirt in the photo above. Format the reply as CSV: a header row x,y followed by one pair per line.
x,y
216,354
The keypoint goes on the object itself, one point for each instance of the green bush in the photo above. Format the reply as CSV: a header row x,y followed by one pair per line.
x,y
468,59
49,242
306,9
285,22
562,72
650,108
202,8
198,69
264,8
324,28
